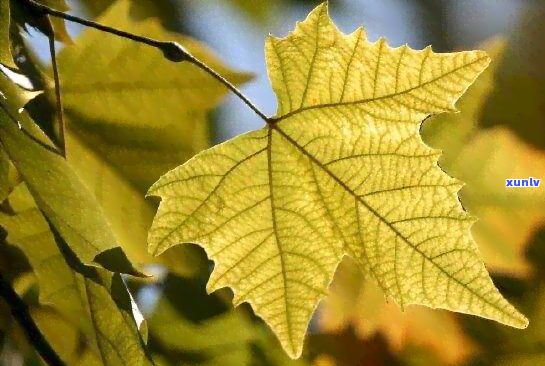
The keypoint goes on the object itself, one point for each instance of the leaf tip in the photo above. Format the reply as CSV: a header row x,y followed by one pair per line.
x,y
524,322
518,320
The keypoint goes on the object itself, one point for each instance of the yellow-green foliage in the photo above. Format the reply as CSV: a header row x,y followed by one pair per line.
x,y
340,170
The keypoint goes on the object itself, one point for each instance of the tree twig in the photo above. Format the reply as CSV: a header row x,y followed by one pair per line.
x,y
171,50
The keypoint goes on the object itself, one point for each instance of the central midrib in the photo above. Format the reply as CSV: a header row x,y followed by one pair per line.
x,y
374,212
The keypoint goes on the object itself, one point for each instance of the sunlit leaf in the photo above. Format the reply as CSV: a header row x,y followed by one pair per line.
x,y
507,219
340,170
507,216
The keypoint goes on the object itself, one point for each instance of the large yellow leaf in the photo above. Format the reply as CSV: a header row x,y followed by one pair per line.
x,y
507,219
340,170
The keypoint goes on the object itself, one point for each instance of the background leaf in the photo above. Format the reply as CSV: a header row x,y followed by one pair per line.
x,y
77,298
507,216
146,115
23,17
130,125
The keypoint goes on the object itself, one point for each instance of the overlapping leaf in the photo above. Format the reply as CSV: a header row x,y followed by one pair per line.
x,y
129,125
341,170
145,115
59,192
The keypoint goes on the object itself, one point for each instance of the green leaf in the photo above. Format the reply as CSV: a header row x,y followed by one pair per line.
x,y
60,193
261,11
145,115
59,25
520,81
340,170
5,50
59,5
91,300
215,337
8,176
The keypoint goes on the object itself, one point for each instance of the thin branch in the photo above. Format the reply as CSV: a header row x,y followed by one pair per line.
x,y
19,310
60,112
171,50
46,10
233,88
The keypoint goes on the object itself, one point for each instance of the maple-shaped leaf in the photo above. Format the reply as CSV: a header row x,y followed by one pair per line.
x,y
340,170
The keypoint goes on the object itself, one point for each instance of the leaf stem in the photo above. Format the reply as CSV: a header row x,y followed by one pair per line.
x,y
229,85
60,112
19,310
171,50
